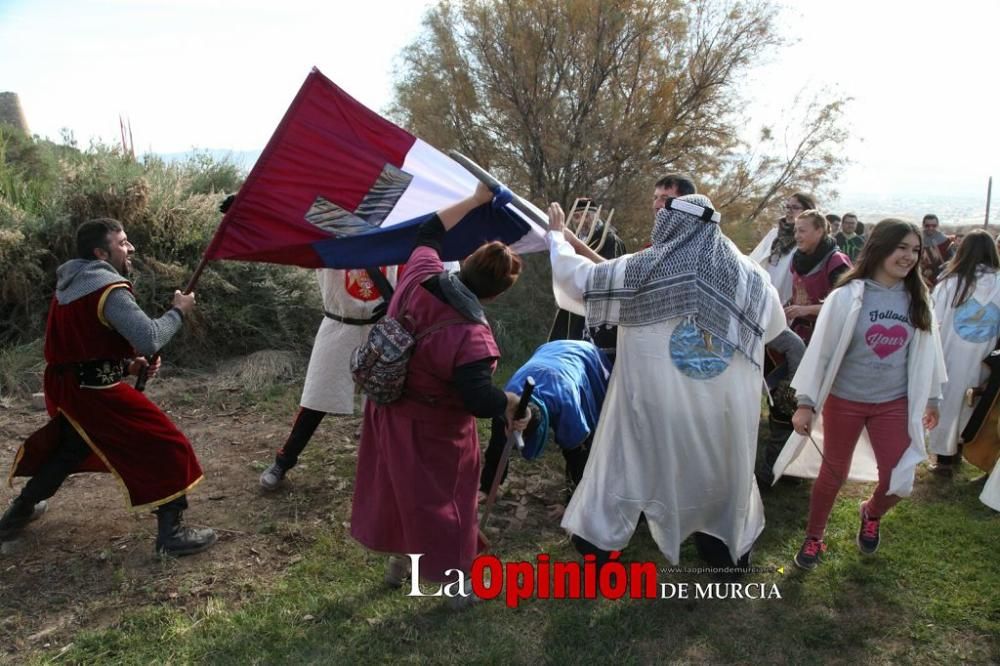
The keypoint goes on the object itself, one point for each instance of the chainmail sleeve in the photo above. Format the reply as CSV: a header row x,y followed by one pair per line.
x,y
146,335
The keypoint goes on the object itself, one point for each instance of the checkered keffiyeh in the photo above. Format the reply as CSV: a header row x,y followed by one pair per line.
x,y
691,270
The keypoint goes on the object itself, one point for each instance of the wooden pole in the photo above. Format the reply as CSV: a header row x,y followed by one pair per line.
x,y
143,377
491,182
989,192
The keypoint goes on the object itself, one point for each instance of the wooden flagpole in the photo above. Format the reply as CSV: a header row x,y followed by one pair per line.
x,y
989,192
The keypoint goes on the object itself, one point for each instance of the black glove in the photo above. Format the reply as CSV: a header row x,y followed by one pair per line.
x,y
226,203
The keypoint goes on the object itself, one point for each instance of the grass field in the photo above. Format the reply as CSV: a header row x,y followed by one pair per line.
x,y
930,595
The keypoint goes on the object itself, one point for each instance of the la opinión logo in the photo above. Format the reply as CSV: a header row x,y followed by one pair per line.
x,y
490,578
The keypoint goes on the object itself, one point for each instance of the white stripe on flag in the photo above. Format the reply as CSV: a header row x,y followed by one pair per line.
x,y
440,181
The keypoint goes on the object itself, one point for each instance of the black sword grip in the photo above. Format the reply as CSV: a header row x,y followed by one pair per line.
x,y
143,376
522,405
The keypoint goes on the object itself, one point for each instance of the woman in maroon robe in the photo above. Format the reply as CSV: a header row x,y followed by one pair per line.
x,y
816,266
418,463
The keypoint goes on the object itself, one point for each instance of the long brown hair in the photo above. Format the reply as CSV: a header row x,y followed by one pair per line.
x,y
883,241
977,249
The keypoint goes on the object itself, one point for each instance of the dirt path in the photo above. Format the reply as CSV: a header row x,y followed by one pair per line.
x,y
88,563
89,559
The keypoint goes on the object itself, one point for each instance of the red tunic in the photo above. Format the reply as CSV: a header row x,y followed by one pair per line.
x,y
418,463
812,289
128,435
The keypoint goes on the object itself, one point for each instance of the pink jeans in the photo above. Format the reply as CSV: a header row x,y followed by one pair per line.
x,y
842,424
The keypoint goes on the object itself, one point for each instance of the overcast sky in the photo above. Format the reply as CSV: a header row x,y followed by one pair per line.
x,y
219,74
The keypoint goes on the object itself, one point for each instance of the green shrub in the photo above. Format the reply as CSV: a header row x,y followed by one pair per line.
x,y
170,212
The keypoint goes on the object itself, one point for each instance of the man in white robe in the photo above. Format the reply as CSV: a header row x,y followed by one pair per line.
x,y
351,304
677,436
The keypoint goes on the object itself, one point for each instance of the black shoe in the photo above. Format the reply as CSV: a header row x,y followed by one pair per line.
x,y
809,554
716,553
943,470
176,541
868,536
765,479
18,515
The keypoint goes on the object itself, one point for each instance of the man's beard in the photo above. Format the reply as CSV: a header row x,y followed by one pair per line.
x,y
125,269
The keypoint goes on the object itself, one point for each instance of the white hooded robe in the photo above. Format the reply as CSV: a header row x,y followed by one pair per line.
x,y
678,449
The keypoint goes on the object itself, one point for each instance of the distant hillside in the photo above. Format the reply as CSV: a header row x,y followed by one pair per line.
x,y
951,210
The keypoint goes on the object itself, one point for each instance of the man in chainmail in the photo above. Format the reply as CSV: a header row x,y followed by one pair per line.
x,y
95,336
677,436
937,249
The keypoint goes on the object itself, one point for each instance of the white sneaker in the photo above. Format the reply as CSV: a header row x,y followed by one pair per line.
x,y
272,477
460,603
397,570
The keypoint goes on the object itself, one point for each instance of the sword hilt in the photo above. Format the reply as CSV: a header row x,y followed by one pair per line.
x,y
143,376
522,405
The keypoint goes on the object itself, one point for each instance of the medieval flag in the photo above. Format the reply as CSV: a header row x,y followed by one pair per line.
x,y
338,186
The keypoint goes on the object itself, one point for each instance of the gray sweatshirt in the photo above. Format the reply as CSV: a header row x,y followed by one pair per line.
x,y
873,369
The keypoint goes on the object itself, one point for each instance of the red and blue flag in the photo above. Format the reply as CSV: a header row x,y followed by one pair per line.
x,y
338,186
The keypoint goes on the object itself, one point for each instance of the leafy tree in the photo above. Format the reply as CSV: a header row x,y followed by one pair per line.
x,y
803,158
596,97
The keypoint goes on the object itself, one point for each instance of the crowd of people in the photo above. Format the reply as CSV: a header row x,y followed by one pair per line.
x,y
866,338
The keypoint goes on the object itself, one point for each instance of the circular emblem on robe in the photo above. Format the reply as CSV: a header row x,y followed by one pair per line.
x,y
359,285
697,354
975,322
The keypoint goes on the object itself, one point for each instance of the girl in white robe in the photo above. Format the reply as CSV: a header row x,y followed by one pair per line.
x,y
875,364
967,306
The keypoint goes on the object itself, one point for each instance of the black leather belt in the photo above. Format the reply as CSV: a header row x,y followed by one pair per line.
x,y
351,321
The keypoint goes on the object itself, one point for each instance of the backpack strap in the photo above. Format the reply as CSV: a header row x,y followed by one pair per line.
x,y
403,315
381,283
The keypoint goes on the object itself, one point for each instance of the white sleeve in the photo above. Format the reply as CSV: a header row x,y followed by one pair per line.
x,y
763,249
570,273
941,298
940,374
815,362
776,322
